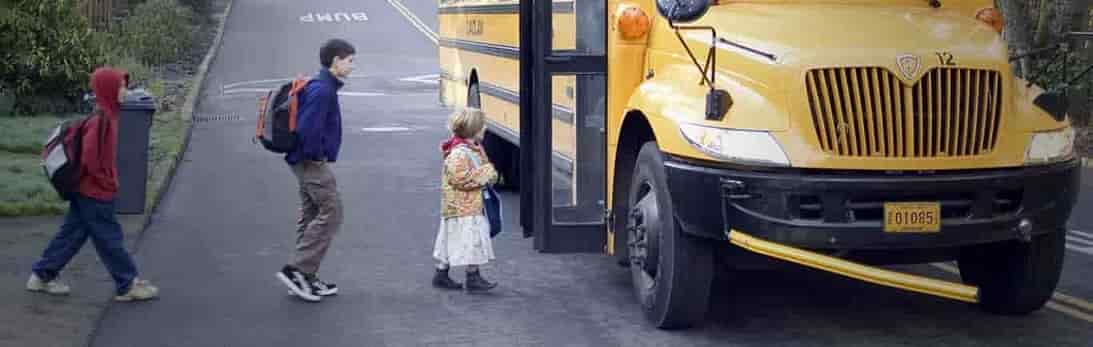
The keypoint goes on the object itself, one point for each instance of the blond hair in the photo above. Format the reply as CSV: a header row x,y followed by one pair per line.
x,y
466,122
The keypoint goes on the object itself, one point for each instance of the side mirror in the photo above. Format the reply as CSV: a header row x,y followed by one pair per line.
x,y
1054,103
683,10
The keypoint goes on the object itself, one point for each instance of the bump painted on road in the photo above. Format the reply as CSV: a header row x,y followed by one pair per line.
x,y
333,17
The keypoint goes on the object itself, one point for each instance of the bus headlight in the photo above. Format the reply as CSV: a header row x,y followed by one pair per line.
x,y
1050,146
748,146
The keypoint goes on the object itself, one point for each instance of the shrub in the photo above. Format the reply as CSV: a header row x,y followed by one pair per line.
x,y
157,32
199,6
46,54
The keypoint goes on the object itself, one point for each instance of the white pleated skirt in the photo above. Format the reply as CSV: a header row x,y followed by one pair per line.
x,y
463,241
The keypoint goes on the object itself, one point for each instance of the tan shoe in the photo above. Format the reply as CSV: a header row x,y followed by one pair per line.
x,y
140,290
54,287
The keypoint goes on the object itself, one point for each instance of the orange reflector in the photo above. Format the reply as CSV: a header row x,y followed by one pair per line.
x,y
633,23
993,17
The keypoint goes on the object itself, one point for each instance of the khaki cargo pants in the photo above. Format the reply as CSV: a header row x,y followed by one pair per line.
x,y
320,214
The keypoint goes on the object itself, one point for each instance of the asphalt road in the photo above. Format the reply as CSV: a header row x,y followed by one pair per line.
x,y
226,226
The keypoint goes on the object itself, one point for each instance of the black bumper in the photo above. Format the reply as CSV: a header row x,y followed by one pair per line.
x,y
818,209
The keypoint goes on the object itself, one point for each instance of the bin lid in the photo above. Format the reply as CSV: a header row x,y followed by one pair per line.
x,y
138,100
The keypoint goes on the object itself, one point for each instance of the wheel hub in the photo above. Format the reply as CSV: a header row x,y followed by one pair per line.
x,y
642,226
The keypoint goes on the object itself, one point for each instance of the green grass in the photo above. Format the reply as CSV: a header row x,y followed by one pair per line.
x,y
165,143
24,190
26,134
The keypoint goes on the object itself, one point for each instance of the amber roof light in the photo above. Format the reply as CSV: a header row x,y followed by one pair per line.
x,y
633,23
993,17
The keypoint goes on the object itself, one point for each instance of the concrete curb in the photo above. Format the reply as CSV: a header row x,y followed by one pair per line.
x,y
187,111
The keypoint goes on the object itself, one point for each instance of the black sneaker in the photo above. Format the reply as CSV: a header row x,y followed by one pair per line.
x,y
297,283
324,288
321,288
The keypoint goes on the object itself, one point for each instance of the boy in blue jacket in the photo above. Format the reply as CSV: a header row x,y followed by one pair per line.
x,y
319,135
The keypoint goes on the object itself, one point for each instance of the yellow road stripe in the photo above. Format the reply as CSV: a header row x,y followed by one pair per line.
x,y
1082,304
1056,303
1070,311
414,20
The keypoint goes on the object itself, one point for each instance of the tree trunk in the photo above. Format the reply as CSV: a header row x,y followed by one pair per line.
x,y
1075,17
1069,16
1017,31
1044,29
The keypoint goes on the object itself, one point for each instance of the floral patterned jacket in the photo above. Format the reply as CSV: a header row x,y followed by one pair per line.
x,y
462,183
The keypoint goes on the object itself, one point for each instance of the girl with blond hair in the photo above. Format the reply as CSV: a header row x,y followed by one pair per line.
x,y
463,238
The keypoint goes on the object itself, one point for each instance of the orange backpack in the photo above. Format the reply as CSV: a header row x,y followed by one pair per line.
x,y
277,114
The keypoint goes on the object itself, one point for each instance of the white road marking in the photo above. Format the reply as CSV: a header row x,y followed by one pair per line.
x,y
1080,242
327,17
414,20
278,80
1082,250
264,90
244,90
237,84
426,79
385,129
360,94
1079,233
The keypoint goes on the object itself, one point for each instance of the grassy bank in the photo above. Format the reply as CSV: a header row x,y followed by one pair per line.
x,y
24,190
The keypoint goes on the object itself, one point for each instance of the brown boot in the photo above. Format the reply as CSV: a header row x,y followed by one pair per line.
x,y
475,282
442,281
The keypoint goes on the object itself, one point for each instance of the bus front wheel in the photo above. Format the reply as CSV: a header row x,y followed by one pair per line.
x,y
671,271
1014,278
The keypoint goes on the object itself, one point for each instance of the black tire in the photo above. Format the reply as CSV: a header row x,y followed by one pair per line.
x,y
505,158
1014,278
671,271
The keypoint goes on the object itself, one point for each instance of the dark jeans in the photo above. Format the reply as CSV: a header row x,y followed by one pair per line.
x,y
95,219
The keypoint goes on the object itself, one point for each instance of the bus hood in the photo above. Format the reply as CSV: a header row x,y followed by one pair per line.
x,y
812,35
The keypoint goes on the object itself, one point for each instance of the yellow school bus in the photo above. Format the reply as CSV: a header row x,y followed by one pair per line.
x,y
842,135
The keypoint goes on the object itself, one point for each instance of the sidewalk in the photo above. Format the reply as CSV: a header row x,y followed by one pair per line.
x,y
39,320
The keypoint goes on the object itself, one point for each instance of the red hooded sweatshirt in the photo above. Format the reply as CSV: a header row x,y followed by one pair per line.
x,y
99,178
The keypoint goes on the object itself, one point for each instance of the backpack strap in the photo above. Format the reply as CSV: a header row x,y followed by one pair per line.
x,y
294,102
475,159
263,103
102,135
477,163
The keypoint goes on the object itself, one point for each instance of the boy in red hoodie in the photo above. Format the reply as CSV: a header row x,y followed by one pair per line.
x,y
91,212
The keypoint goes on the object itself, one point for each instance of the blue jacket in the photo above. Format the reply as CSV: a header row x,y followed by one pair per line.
x,y
319,122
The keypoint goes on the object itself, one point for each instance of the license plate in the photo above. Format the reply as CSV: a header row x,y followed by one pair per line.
x,y
912,217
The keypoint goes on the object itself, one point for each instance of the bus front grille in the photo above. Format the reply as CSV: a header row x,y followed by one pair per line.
x,y
870,112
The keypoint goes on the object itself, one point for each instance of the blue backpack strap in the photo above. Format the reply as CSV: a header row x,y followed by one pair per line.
x,y
476,160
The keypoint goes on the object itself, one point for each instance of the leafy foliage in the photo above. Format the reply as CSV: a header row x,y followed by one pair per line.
x,y
46,54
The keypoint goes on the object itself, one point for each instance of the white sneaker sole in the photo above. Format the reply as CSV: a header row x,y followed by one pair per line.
x,y
330,293
44,291
294,290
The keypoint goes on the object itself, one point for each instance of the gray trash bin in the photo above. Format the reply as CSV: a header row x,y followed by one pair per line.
x,y
135,123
